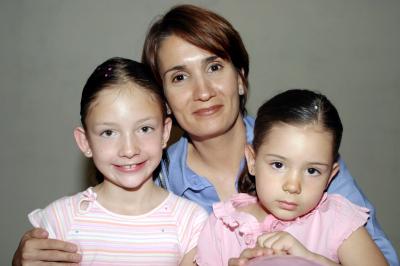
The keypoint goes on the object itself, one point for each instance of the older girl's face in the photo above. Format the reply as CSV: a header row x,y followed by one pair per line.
x,y
201,88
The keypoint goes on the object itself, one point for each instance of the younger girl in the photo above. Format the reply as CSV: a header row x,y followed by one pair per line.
x,y
126,219
293,158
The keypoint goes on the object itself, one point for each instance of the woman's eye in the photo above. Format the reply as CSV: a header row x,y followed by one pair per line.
x,y
313,171
277,165
215,67
178,78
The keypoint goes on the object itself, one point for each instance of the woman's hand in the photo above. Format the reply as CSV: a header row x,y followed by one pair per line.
x,y
248,254
36,249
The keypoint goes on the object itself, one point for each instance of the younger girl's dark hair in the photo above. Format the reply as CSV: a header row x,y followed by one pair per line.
x,y
296,107
111,74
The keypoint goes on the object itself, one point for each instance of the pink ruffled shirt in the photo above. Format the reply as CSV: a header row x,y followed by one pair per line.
x,y
228,231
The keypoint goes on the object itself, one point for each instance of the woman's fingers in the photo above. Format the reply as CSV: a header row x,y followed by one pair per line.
x,y
36,249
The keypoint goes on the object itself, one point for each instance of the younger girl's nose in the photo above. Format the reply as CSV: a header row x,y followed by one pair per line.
x,y
292,185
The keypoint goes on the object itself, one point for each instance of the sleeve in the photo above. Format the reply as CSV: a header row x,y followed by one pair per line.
x,y
43,218
208,252
345,185
348,218
52,218
191,224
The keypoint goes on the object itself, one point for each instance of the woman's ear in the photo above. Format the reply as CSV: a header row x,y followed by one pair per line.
x,y
242,90
82,141
166,131
169,112
335,170
250,158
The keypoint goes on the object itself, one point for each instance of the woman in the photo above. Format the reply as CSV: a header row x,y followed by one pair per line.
x,y
200,60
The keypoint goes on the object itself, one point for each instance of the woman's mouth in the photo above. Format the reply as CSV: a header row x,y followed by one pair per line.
x,y
208,111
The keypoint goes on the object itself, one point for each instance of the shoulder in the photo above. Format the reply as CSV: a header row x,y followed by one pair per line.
x,y
235,211
249,120
57,216
64,202
175,149
237,202
185,207
344,210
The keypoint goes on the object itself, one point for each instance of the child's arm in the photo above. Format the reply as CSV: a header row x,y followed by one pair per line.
x,y
248,254
360,249
188,259
283,243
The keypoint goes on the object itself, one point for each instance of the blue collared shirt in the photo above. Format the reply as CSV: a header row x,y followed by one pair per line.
x,y
182,181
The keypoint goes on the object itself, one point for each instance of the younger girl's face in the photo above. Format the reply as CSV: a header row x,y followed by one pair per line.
x,y
125,134
292,167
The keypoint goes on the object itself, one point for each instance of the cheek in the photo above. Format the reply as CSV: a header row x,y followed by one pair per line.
x,y
153,144
175,100
266,186
315,192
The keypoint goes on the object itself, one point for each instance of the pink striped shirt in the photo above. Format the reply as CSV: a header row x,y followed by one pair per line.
x,y
160,237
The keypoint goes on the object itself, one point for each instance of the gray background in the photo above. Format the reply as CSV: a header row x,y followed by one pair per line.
x,y
348,49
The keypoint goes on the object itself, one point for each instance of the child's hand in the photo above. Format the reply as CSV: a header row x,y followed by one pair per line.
x,y
248,254
283,243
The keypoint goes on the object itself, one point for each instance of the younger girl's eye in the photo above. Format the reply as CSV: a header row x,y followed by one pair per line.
x,y
313,171
146,129
277,165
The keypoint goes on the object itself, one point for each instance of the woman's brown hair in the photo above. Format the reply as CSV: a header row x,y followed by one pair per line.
x,y
204,29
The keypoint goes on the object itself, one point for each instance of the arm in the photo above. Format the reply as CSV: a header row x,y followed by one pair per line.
x,y
35,247
360,249
208,251
345,185
283,243
248,254
188,259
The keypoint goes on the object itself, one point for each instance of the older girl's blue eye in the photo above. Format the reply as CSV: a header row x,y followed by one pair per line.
x,y
107,133
277,165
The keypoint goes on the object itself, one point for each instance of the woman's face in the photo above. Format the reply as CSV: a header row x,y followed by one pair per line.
x,y
201,88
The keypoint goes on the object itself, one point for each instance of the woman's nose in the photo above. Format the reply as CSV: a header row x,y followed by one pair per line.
x,y
292,184
203,88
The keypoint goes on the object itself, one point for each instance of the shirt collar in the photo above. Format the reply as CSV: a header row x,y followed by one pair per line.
x,y
181,177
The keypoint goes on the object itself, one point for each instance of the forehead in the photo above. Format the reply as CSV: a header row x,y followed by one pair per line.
x,y
128,94
309,139
174,45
